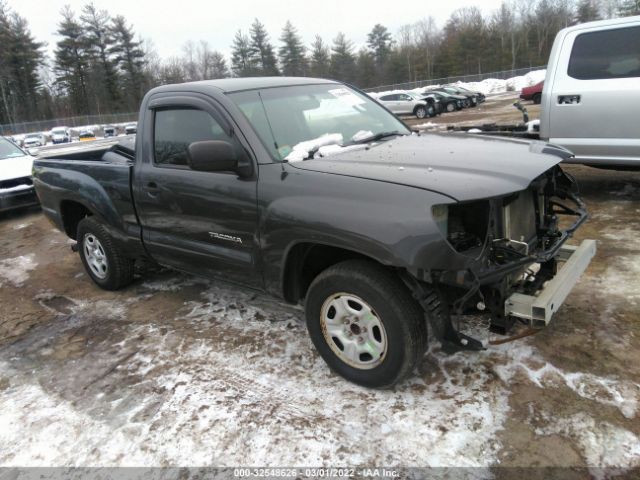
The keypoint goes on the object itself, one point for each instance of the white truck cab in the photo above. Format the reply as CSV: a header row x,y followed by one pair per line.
x,y
591,96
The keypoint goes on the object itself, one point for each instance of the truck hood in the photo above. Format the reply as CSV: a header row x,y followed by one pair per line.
x,y
461,166
16,167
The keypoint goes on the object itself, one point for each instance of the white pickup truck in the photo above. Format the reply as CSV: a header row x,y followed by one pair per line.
x,y
591,95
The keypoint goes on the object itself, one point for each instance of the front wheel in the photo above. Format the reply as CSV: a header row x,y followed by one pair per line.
x,y
450,107
421,112
365,324
105,263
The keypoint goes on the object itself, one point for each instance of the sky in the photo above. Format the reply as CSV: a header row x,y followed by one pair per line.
x,y
169,24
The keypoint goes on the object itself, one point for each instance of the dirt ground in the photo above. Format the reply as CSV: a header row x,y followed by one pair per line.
x,y
180,371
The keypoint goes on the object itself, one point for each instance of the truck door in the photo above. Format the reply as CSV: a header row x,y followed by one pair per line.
x,y
595,95
199,222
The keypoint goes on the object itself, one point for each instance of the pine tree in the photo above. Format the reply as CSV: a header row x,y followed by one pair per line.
x,y
379,42
99,37
261,51
71,61
25,61
292,52
320,65
629,8
218,65
129,58
366,69
587,11
343,62
20,58
241,61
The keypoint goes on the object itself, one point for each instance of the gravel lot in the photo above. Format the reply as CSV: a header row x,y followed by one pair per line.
x,y
179,371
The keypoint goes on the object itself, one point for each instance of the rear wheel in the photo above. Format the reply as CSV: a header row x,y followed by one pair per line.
x,y
537,98
105,263
420,112
450,107
365,324
431,111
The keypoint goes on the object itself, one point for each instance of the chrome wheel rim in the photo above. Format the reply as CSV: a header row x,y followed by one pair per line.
x,y
421,113
353,331
95,256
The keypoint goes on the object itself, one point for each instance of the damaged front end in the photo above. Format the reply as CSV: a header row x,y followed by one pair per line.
x,y
516,265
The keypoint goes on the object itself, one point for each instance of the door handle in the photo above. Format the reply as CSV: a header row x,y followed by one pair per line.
x,y
568,99
152,189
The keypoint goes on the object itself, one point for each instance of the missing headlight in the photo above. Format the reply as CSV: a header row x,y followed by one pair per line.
x,y
465,225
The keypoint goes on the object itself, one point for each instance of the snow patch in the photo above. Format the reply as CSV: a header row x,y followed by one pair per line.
x,y
621,394
603,445
16,270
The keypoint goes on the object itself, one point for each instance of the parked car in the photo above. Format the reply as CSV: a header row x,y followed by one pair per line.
x,y
110,131
450,103
60,135
131,128
405,103
481,97
34,140
311,191
16,186
469,99
86,135
16,139
592,91
533,93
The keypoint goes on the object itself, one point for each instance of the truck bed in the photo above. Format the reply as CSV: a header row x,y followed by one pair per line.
x,y
98,180
122,152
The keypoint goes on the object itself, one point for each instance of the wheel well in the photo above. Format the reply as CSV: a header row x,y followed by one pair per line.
x,y
415,109
72,213
305,261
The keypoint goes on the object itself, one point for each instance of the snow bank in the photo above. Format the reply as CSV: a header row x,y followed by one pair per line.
x,y
488,86
514,84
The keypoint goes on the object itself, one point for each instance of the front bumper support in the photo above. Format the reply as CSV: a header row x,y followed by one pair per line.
x,y
538,309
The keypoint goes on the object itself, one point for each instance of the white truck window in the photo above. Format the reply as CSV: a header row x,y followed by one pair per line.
x,y
606,54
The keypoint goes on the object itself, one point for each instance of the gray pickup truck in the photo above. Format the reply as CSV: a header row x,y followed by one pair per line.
x,y
312,191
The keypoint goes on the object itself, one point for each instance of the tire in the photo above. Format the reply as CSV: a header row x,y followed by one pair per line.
x,y
105,263
397,333
451,107
420,112
431,111
537,98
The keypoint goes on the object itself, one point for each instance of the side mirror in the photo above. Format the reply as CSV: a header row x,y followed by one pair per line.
x,y
212,156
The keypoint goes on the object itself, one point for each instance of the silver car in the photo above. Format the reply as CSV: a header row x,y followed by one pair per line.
x,y
34,140
407,103
592,92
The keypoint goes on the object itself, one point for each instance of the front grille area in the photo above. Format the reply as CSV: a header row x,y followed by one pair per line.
x,y
15,182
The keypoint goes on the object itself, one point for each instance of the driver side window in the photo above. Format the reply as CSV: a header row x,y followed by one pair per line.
x,y
176,128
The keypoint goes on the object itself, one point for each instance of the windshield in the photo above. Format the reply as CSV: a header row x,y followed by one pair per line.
x,y
9,150
58,131
314,115
33,136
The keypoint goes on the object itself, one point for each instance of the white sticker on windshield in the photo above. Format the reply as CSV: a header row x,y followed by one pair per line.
x,y
346,96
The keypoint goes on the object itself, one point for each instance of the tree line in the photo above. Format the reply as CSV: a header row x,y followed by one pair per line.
x,y
100,65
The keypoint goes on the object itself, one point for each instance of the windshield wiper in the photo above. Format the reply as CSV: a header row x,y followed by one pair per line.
x,y
373,138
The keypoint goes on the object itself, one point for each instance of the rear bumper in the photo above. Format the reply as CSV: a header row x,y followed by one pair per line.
x,y
538,309
11,199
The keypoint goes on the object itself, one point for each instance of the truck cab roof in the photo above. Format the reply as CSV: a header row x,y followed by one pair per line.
x,y
228,85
